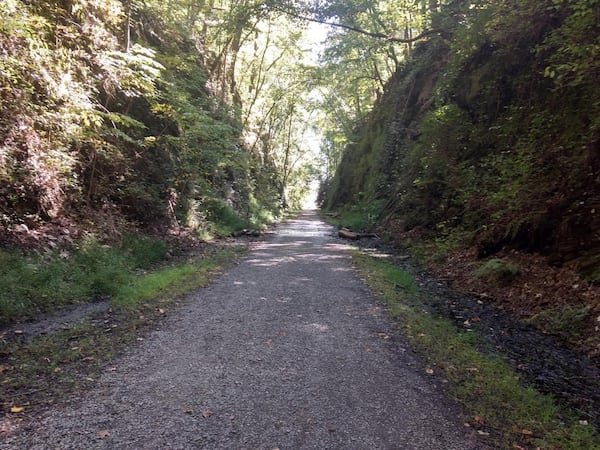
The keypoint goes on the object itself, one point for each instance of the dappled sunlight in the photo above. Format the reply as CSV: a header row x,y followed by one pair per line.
x,y
268,260
242,283
376,253
272,261
306,240
287,244
316,327
342,269
338,247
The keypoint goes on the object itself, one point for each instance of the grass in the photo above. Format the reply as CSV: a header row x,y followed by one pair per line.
x,y
35,284
37,372
222,220
171,281
516,416
362,217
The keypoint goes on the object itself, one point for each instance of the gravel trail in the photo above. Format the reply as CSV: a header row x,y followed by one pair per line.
x,y
287,350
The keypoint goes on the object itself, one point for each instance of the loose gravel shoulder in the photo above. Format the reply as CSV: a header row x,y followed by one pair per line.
x,y
287,350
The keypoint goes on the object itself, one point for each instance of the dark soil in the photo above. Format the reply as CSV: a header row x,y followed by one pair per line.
x,y
543,361
64,319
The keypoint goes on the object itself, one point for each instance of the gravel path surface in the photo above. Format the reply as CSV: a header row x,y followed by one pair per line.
x,y
287,350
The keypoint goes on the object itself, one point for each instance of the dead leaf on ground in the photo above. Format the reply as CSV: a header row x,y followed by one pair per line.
x,y
526,432
429,371
103,434
16,409
207,413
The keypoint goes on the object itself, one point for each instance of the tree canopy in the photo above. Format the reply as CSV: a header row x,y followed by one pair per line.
x,y
177,114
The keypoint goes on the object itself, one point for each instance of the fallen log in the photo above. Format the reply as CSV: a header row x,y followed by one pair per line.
x,y
246,232
347,234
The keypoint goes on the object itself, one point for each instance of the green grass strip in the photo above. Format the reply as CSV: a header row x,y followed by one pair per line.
x,y
172,281
516,416
37,372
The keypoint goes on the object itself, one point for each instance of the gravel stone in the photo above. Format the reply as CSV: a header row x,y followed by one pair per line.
x,y
286,350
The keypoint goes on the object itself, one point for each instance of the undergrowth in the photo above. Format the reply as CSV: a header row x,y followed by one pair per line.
x,y
37,372
498,271
362,217
35,284
514,415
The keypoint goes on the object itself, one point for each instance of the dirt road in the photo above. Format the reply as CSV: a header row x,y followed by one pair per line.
x,y
286,350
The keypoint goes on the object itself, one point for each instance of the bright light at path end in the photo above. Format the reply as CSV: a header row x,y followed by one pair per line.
x,y
311,199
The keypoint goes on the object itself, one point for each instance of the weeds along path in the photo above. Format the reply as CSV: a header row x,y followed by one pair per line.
x,y
286,350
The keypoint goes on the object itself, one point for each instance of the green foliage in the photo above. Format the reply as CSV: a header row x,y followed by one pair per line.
x,y
99,270
400,279
171,282
222,218
123,108
48,366
30,285
260,216
143,251
566,321
492,132
575,44
498,271
361,216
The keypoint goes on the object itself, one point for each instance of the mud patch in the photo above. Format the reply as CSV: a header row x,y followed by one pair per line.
x,y
64,319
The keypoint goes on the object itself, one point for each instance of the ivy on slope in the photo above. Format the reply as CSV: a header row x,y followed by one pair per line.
x,y
490,130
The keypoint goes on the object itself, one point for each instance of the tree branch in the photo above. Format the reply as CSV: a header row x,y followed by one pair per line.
x,y
389,38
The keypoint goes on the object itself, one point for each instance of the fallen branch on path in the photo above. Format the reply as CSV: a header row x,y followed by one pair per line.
x,y
347,234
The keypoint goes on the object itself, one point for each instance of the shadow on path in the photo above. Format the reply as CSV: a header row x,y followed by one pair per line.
x,y
286,350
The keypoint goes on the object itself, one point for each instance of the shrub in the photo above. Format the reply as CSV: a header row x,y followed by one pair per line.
x,y
143,250
498,271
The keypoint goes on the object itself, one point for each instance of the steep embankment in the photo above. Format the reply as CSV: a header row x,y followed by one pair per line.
x,y
116,114
484,150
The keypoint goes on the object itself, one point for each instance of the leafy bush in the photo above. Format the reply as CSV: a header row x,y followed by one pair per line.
x,y
498,271
567,321
222,219
361,216
143,250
